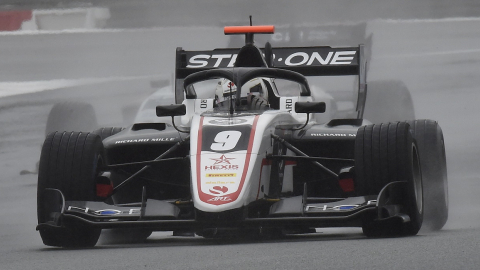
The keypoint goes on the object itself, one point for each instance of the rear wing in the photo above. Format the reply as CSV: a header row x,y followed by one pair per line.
x,y
308,61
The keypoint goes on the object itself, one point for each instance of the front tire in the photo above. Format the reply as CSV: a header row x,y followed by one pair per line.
x,y
387,153
69,162
431,147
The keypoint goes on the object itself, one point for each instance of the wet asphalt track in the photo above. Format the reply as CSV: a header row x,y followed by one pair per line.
x,y
438,60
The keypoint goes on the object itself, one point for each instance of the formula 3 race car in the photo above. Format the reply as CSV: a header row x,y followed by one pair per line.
x,y
235,158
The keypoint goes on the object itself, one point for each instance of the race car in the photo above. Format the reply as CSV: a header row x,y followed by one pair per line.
x,y
235,158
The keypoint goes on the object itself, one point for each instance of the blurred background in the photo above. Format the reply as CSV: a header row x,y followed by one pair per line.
x,y
106,57
158,13
114,54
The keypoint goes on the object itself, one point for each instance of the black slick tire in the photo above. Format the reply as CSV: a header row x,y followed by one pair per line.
x,y
431,147
69,162
106,132
387,153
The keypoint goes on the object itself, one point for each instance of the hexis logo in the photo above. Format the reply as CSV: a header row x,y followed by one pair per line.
x,y
222,163
221,160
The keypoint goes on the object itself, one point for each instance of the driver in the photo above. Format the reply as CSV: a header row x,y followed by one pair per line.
x,y
254,94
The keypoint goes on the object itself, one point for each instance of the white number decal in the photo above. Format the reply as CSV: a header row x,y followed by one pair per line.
x,y
226,140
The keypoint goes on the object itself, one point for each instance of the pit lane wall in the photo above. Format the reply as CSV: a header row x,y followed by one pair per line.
x,y
54,19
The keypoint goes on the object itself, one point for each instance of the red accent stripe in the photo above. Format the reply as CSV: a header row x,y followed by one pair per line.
x,y
290,163
199,151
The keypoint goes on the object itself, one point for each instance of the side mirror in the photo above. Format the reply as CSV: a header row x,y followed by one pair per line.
x,y
171,110
310,107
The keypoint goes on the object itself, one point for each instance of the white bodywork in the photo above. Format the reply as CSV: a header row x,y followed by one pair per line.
x,y
223,176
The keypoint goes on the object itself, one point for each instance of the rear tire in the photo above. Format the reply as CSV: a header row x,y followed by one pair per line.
x,y
388,101
69,162
387,153
71,116
106,132
431,148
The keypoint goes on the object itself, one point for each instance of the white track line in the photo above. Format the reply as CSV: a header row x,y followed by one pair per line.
x,y
95,31
18,88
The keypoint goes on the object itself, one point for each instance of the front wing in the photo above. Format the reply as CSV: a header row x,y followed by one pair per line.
x,y
165,215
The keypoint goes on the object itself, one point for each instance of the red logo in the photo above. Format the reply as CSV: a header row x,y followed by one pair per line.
x,y
222,159
219,190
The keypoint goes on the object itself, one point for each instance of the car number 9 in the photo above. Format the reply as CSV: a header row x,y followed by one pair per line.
x,y
226,140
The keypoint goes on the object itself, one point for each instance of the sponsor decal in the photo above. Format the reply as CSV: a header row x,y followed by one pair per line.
x,y
333,134
332,208
299,58
202,60
108,212
162,139
227,121
221,167
332,58
221,175
221,160
220,199
289,104
104,212
222,163
336,207
145,140
219,190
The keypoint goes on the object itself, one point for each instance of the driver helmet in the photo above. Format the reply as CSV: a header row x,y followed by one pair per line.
x,y
227,90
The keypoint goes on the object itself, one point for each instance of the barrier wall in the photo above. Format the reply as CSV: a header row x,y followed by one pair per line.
x,y
54,19
12,20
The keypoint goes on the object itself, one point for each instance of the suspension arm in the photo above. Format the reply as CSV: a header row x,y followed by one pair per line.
x,y
170,150
308,158
300,153
149,162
